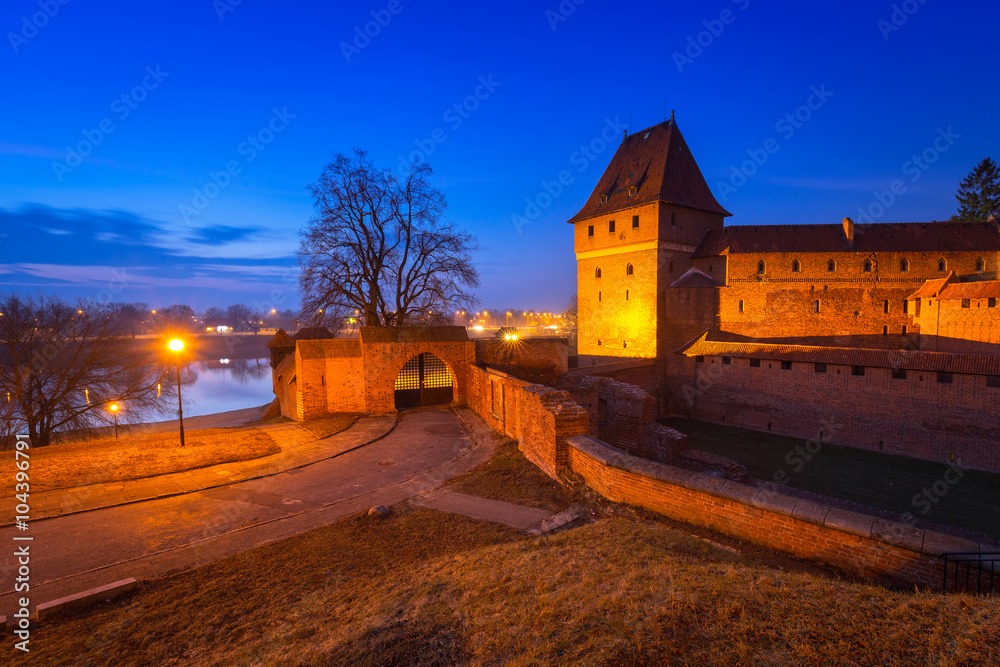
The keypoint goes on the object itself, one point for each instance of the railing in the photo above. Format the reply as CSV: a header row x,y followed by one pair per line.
x,y
979,570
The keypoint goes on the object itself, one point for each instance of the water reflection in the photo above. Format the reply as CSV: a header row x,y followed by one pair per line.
x,y
219,385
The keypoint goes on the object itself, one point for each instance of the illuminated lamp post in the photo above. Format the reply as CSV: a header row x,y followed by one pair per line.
x,y
114,408
176,345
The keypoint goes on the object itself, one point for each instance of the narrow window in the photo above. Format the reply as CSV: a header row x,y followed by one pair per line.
x,y
727,361
598,296
857,370
626,295
885,330
904,329
629,270
816,305
786,365
673,219
868,266
611,227
755,363
898,373
671,267
597,273
796,266
942,265
991,303
966,303
885,306
831,266
944,378
916,307
635,222
624,344
980,265
760,268
819,368
906,306
590,230
699,359
904,265
741,305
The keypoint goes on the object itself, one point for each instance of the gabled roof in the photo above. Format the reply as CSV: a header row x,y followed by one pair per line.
x,y
280,339
413,334
696,278
943,362
313,333
875,237
658,163
986,289
932,288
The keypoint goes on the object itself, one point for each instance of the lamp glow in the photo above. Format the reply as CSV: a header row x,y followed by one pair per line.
x,y
176,345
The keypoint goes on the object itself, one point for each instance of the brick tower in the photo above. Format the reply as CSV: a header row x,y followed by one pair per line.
x,y
634,237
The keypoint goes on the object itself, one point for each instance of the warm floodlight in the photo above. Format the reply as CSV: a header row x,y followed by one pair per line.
x,y
114,412
176,345
113,407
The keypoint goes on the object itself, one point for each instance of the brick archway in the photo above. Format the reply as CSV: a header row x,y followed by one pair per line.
x,y
425,379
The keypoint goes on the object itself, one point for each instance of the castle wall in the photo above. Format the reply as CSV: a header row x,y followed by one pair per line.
x,y
947,326
382,363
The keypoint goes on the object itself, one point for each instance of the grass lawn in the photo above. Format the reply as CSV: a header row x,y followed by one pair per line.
x,y
137,455
510,477
327,425
423,587
893,483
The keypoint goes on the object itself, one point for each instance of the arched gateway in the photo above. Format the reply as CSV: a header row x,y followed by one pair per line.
x,y
424,380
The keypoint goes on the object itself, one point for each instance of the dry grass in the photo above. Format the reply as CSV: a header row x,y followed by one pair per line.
x,y
423,587
331,424
510,477
137,455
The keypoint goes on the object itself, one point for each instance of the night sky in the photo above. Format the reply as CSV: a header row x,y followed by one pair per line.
x,y
162,150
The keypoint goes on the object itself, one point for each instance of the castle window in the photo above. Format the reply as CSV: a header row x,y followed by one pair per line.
x,y
904,329
906,306
755,363
819,368
624,344
857,370
598,296
611,227
980,265
673,219
632,191
590,230
904,265
600,342
786,365
796,266
816,306
991,303
760,268
629,270
942,265
699,359
671,267
626,295
741,305
885,330
898,373
966,303
993,381
831,266
635,222
944,378
727,361
885,306
604,199
597,273
867,266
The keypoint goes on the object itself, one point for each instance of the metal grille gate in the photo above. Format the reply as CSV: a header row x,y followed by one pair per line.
x,y
424,380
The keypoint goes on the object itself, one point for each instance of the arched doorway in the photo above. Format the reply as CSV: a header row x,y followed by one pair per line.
x,y
424,380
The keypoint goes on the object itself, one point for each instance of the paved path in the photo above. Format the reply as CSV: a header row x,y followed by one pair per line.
x,y
497,511
146,539
299,448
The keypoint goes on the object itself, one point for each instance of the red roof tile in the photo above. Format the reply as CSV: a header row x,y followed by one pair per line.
x,y
658,163
986,289
413,334
280,339
313,333
931,288
890,237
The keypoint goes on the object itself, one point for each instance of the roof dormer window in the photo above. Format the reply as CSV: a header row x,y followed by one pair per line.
x,y
604,199
632,191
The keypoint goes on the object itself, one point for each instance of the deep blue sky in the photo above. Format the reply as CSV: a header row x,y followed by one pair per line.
x,y
115,221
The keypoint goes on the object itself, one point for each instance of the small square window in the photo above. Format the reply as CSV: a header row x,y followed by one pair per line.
x,y
611,227
857,370
727,361
631,192
944,378
819,368
600,342
993,381
590,230
755,363
898,373
699,359
604,199
991,303
635,222
966,303
786,365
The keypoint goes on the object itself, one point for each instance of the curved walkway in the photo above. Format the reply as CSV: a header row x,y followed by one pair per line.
x,y
298,448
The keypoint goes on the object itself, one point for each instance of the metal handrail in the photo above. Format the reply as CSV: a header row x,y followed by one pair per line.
x,y
983,562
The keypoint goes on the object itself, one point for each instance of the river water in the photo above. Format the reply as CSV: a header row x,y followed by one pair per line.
x,y
223,384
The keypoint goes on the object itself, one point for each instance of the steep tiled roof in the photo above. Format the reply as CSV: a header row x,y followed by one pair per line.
x,y
969,364
695,278
313,333
413,334
931,288
280,339
876,237
658,163
324,348
987,289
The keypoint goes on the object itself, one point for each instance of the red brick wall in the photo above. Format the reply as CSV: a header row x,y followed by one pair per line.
x,y
855,543
384,361
947,327
544,358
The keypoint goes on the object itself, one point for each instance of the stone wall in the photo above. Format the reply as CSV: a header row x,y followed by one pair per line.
x,y
541,360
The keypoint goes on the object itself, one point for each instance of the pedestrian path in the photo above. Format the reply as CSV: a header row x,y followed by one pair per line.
x,y
474,507
299,448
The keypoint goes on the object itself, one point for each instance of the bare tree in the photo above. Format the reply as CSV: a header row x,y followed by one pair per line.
x,y
242,317
378,246
61,366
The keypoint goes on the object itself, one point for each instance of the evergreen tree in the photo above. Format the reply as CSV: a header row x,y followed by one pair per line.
x,y
979,193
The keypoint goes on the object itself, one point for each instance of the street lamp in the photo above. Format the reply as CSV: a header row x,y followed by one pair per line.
x,y
176,345
114,413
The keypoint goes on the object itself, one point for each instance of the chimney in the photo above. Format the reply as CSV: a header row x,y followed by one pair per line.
x,y
849,231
